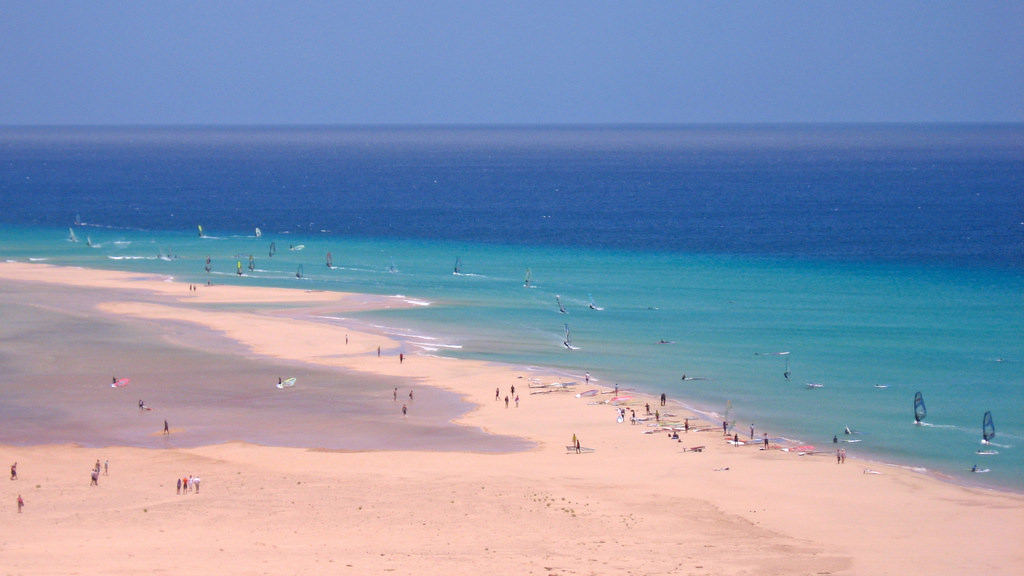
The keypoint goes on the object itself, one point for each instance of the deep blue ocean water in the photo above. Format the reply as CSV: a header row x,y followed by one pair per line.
x,y
875,255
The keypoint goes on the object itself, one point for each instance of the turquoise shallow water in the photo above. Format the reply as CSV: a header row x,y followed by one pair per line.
x,y
871,334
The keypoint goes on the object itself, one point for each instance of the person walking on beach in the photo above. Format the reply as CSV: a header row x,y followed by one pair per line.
x,y
396,394
405,410
167,429
751,431
517,401
497,394
725,427
506,401
95,478
839,457
657,416
587,377
765,440
378,351
577,445
106,467
647,407
21,503
842,456
14,471
662,398
179,487
401,358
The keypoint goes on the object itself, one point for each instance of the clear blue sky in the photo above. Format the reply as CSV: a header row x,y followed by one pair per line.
x,y
520,62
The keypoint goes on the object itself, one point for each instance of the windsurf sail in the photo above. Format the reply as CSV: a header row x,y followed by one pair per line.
x,y
330,261
71,236
529,276
568,338
919,409
561,308
259,232
273,249
286,383
988,429
458,266
208,265
252,263
392,268
201,231
239,267
120,383
592,305
298,273
787,372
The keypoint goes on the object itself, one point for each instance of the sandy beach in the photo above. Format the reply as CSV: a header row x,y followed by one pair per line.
x,y
331,477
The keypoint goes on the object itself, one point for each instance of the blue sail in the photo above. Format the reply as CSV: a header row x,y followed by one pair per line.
x,y
988,428
920,412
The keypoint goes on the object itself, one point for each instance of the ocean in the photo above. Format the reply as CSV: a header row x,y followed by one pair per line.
x,y
876,261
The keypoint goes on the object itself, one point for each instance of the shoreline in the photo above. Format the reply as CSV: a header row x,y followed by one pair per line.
x,y
633,501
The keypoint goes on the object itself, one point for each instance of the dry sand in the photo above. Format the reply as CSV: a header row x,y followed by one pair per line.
x,y
636,504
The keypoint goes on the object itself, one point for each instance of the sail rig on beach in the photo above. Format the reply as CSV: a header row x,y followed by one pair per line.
x,y
920,412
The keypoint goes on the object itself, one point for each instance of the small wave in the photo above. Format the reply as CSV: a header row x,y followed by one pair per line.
x,y
132,257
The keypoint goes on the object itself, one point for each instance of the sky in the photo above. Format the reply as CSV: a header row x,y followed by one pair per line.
x,y
255,62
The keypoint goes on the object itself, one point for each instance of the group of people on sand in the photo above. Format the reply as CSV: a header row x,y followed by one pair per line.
x,y
497,395
187,484
95,474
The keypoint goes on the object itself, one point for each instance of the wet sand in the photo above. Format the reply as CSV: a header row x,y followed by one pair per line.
x,y
62,351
